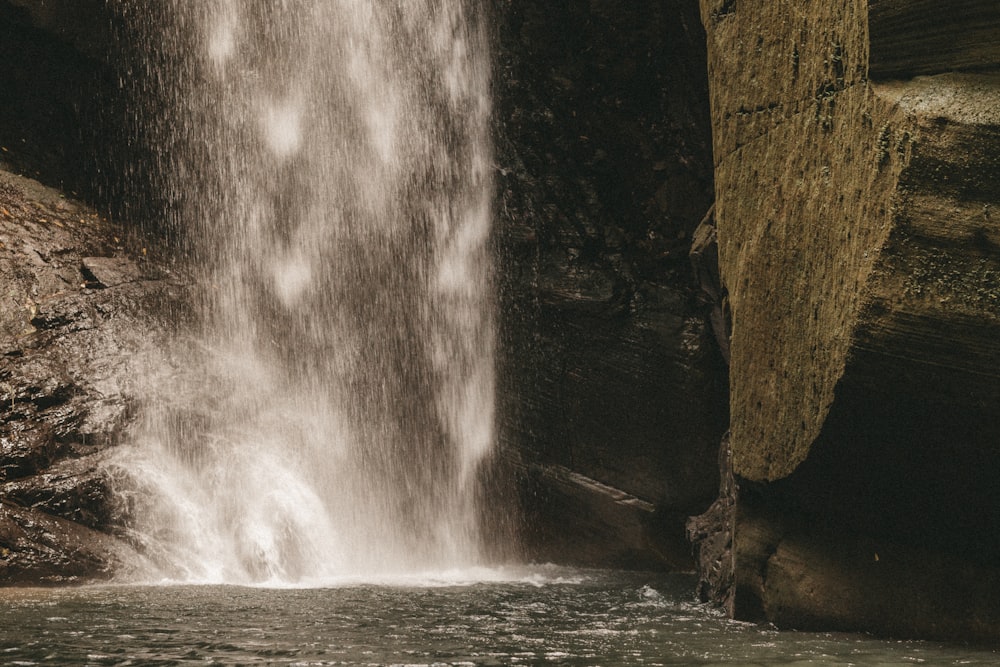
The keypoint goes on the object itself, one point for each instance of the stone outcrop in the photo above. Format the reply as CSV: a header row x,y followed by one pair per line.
x,y
711,535
857,176
74,331
613,385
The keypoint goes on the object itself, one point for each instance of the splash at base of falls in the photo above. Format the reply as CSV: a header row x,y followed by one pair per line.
x,y
329,166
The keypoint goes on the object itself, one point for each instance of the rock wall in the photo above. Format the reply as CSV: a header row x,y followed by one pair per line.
x,y
856,178
74,330
613,398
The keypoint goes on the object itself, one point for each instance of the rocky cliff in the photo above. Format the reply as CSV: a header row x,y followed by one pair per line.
x,y
614,388
856,161
75,326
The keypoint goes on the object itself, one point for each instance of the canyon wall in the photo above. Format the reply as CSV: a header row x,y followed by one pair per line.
x,y
76,325
614,389
857,177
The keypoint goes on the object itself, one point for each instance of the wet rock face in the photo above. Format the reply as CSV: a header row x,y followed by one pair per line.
x,y
856,172
37,548
74,328
711,537
610,371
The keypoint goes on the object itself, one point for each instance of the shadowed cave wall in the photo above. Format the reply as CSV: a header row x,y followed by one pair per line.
x,y
614,390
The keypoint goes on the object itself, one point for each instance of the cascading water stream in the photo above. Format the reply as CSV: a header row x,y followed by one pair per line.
x,y
329,162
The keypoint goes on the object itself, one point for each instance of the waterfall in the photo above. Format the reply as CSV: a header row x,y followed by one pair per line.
x,y
328,163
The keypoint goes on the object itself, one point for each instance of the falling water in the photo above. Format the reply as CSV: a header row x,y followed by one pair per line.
x,y
328,161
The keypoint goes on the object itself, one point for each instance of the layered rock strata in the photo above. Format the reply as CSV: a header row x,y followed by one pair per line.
x,y
613,397
857,176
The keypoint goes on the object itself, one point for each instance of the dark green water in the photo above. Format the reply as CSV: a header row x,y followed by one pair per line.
x,y
548,617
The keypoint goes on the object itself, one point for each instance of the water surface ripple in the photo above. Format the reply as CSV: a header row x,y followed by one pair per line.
x,y
544,617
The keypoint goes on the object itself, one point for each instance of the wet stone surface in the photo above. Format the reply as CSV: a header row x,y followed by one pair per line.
x,y
73,324
609,369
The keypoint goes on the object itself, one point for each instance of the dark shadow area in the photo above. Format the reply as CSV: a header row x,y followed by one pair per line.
x,y
897,464
923,37
81,106
608,368
50,116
